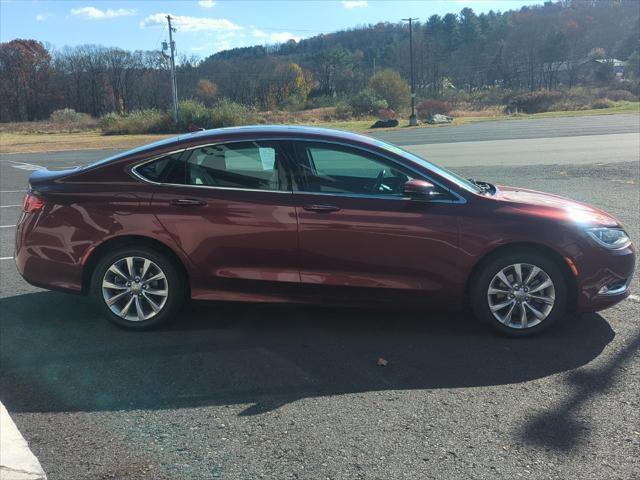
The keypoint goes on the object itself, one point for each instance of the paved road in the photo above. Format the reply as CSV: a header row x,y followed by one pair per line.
x,y
243,391
516,129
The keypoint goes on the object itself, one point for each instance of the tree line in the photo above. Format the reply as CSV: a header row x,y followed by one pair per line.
x,y
550,46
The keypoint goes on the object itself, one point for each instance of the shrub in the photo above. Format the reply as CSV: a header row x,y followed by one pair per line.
x,y
386,114
367,102
321,101
294,103
343,111
190,113
534,102
108,123
67,116
225,113
231,114
617,95
602,103
430,107
193,113
390,86
139,121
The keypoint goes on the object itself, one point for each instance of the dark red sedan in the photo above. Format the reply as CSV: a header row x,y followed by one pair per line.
x,y
282,214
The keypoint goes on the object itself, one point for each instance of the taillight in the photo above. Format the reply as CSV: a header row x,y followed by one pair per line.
x,y
32,203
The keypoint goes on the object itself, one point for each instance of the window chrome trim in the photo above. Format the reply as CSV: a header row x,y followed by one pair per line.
x,y
458,200
134,172
616,291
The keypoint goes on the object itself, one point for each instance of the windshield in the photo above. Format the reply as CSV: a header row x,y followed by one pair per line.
x,y
443,172
133,151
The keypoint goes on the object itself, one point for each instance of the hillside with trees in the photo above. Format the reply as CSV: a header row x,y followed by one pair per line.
x,y
566,49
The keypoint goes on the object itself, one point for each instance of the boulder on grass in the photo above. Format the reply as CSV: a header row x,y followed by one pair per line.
x,y
385,123
439,118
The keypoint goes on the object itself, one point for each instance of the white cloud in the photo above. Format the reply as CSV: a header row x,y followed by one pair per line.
x,y
41,17
200,48
275,37
207,3
259,33
222,42
93,13
354,4
190,24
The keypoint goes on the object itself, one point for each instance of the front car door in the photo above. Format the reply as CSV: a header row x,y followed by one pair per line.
x,y
359,234
229,206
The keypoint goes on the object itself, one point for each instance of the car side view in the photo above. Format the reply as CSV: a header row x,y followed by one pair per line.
x,y
294,214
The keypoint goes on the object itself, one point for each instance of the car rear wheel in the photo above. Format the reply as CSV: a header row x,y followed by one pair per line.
x,y
138,287
519,293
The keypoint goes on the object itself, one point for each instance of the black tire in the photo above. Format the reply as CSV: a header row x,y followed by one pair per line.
x,y
175,287
481,282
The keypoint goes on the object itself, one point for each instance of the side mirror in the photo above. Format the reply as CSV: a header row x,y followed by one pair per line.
x,y
420,189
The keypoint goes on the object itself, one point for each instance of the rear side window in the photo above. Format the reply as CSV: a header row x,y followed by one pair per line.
x,y
248,165
157,170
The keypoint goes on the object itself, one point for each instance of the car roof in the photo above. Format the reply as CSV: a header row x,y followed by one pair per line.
x,y
275,130
244,132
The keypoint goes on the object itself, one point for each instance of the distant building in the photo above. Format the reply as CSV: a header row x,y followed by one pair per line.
x,y
617,65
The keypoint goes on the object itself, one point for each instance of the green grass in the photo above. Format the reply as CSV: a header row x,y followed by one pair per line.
x,y
618,107
360,125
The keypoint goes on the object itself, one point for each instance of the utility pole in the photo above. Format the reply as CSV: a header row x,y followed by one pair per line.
x,y
174,84
412,119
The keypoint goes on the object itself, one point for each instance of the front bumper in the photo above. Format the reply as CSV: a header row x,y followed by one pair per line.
x,y
604,277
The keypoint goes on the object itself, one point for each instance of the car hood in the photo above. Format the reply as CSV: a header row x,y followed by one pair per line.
x,y
554,207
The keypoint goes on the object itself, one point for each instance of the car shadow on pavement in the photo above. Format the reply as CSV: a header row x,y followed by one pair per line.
x,y
58,354
557,427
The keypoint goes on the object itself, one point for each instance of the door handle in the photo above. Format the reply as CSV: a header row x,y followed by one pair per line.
x,y
321,208
188,202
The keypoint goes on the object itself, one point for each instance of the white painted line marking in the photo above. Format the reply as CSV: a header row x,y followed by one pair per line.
x,y
25,166
7,226
17,459
634,298
10,206
6,258
12,191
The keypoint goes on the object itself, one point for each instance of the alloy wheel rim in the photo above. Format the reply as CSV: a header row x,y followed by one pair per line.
x,y
135,288
521,295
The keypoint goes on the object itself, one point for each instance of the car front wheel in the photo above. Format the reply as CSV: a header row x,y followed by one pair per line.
x,y
138,288
520,293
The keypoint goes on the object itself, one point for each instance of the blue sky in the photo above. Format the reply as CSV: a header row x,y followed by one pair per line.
x,y
207,26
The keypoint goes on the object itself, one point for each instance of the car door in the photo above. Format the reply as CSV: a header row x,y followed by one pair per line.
x,y
233,215
357,229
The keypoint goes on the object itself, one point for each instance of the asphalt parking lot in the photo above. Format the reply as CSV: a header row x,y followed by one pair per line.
x,y
240,391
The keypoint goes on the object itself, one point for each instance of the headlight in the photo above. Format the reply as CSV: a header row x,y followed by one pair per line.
x,y
611,238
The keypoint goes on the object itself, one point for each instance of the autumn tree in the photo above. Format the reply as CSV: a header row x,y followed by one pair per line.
x,y
206,91
24,70
391,87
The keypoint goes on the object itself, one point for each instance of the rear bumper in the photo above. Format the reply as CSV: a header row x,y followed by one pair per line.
x,y
604,278
43,260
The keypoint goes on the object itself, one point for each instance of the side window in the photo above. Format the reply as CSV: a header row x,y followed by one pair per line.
x,y
335,169
251,165
157,170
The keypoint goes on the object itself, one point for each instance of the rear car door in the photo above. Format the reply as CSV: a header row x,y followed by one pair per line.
x,y
230,207
358,230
